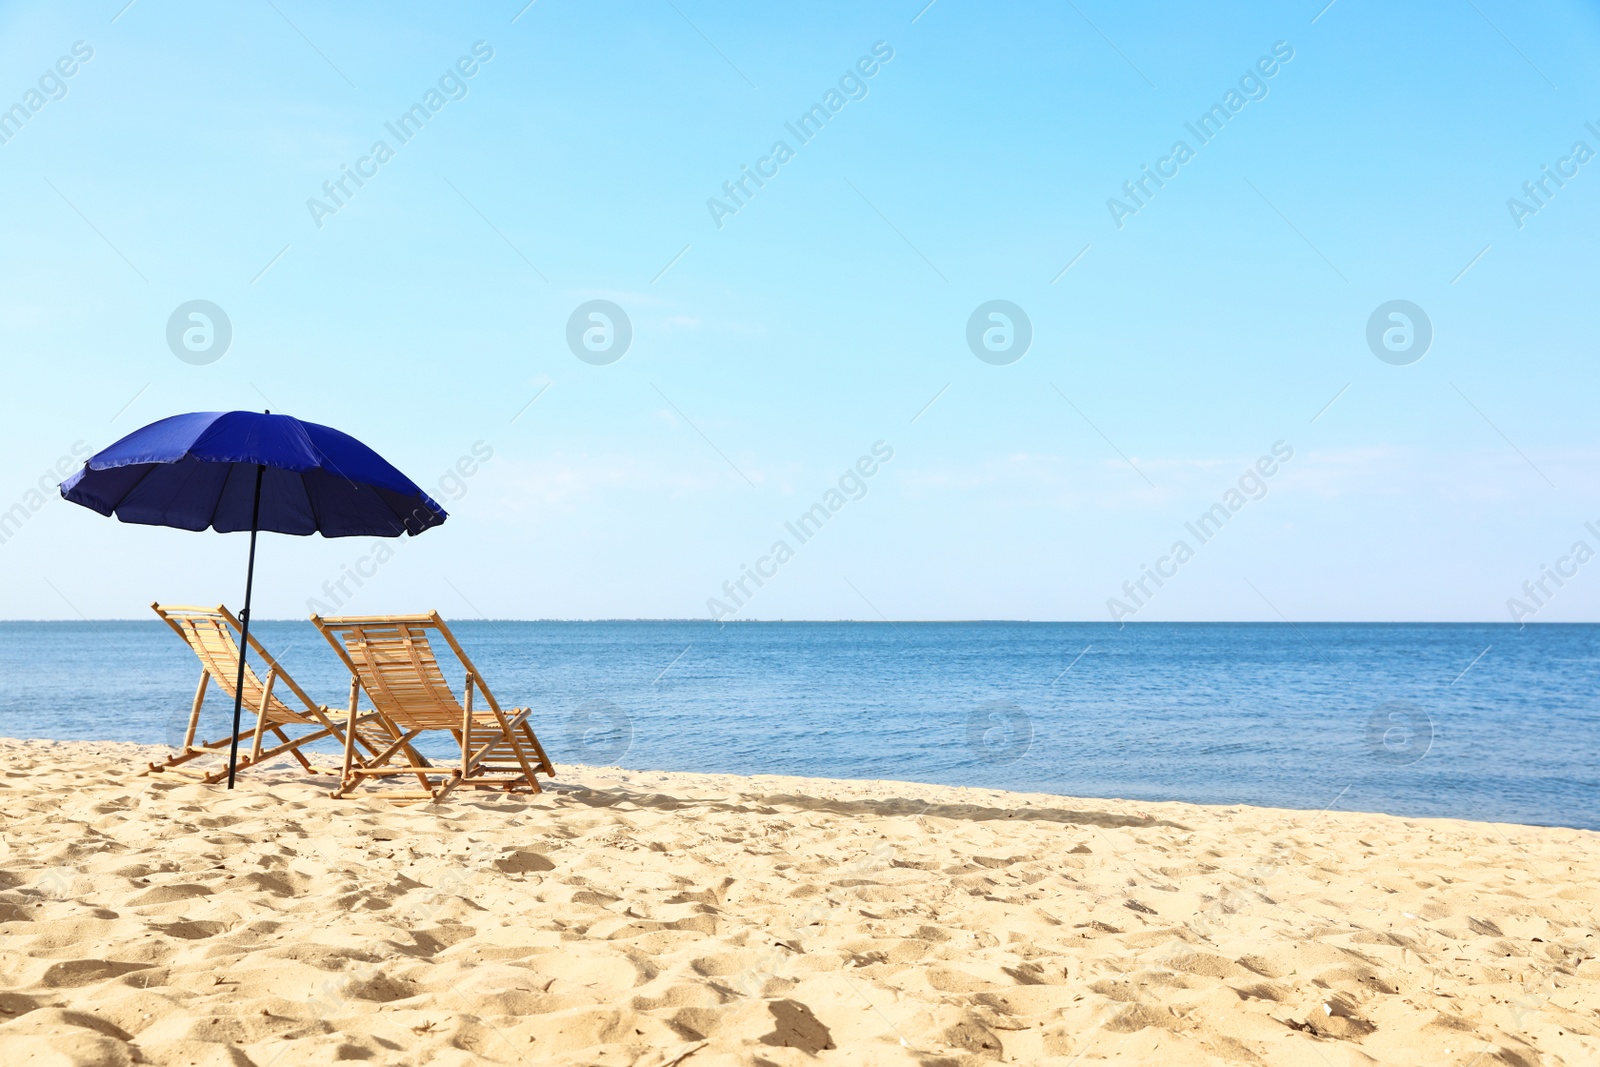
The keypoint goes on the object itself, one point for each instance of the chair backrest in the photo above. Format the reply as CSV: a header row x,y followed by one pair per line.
x,y
210,633
393,659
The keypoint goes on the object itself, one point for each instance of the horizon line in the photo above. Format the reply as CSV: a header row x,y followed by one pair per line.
x,y
914,622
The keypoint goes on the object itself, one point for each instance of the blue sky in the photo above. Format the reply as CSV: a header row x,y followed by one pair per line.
x,y
770,353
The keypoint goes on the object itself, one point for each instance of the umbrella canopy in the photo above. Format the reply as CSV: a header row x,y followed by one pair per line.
x,y
198,471
237,470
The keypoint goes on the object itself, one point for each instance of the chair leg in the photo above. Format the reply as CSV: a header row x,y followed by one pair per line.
x,y
466,728
544,760
194,712
350,736
448,784
261,717
176,761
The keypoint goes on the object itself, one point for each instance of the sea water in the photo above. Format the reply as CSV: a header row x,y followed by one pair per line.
x,y
1469,721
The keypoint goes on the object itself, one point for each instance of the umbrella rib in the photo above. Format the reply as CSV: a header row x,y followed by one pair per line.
x,y
211,523
395,513
148,472
311,503
329,464
369,486
150,469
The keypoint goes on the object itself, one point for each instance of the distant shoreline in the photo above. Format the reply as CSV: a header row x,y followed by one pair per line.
x,y
1100,623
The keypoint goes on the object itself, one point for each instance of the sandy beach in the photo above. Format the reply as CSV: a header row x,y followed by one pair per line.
x,y
650,919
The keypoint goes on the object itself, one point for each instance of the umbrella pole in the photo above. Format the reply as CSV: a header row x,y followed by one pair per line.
x,y
244,629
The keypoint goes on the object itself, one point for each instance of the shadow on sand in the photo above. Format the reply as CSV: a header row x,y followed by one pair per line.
x,y
775,804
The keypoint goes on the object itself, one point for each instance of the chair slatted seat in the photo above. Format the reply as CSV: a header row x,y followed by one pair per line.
x,y
391,658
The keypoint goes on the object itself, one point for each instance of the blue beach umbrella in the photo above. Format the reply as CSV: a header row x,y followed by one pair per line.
x,y
238,470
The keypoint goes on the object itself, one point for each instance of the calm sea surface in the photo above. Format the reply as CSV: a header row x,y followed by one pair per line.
x,y
1470,721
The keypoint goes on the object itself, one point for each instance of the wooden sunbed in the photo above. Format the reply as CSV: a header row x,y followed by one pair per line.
x,y
391,658
278,728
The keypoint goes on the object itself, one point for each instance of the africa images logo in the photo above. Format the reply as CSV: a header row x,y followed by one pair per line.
x,y
999,332
1399,332
599,332
199,332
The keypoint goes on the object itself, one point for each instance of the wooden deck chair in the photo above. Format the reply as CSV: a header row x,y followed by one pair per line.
x,y
391,658
211,634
